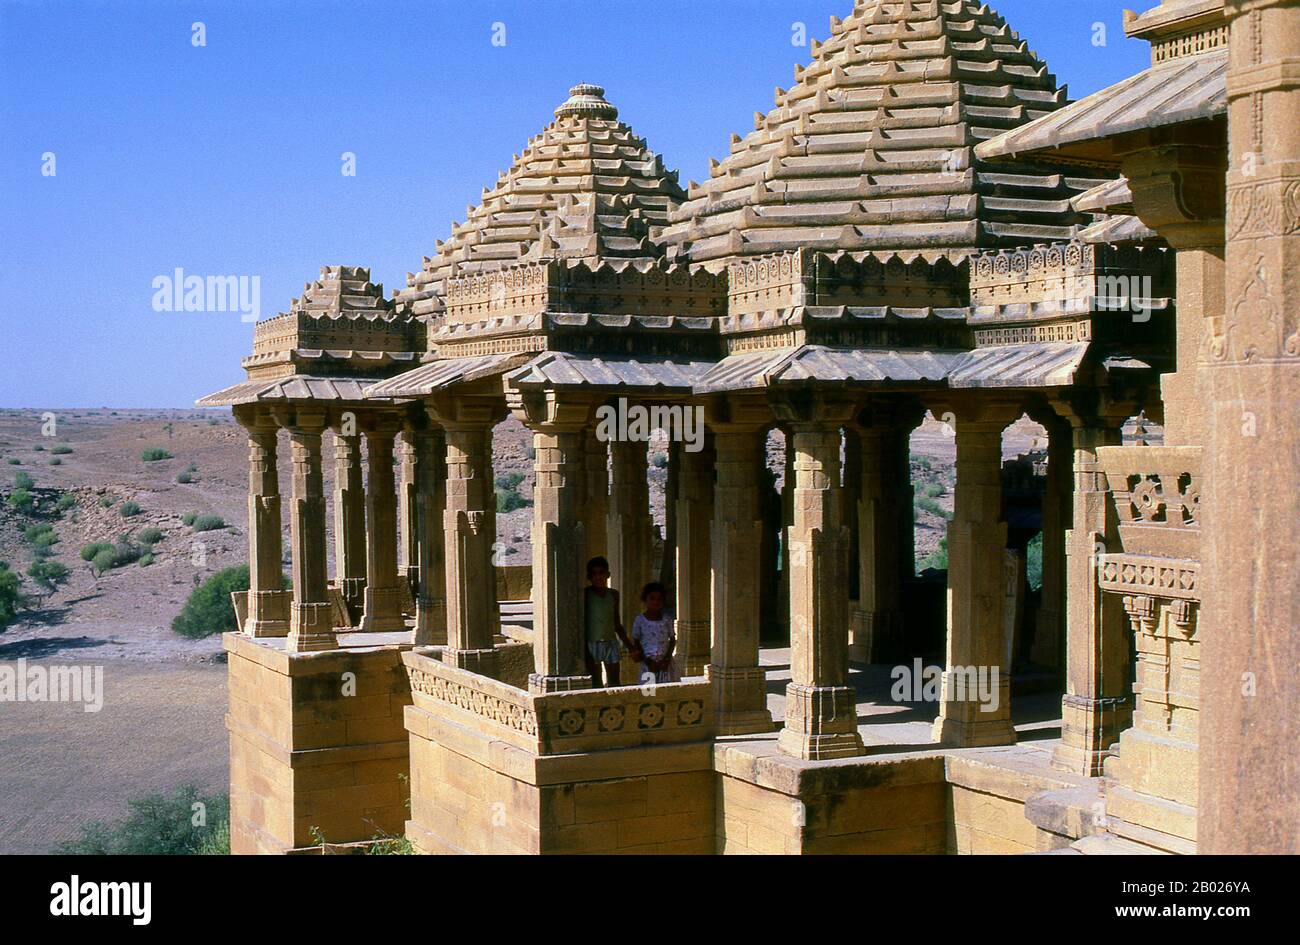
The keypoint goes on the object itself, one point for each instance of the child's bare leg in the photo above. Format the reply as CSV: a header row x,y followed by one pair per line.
x,y
611,672
593,670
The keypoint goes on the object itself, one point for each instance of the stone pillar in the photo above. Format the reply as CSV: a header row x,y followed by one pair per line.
x,y
408,511
473,618
876,629
770,510
739,683
349,522
852,466
310,624
1049,632
1097,705
595,497
429,452
629,526
383,596
558,539
693,567
787,518
667,564
900,458
821,718
973,710
265,577
1250,729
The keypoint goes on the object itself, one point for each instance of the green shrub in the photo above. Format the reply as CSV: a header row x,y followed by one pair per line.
x,y
15,461
88,552
209,610
146,559
184,477
66,501
106,502
188,518
1034,562
40,534
61,449
55,461
11,595
507,492
208,523
23,481
150,536
938,559
154,453
48,575
931,506
129,508
21,500
38,448
160,825
105,560
934,490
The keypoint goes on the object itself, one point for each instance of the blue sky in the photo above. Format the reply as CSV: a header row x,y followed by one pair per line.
x,y
226,159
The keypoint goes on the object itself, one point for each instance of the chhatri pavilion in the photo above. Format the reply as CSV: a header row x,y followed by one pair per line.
x,y
924,223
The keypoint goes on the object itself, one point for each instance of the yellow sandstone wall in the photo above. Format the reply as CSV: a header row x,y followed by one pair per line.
x,y
472,793
307,760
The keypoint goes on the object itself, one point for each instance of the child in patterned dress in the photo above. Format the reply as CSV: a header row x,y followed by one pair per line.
x,y
653,637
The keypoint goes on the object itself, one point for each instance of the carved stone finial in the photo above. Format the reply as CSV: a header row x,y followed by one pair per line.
x,y
587,101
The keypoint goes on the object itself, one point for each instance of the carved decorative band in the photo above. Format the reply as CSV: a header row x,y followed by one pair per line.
x,y
1167,578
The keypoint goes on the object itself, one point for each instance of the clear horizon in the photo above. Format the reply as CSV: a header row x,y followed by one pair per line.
x,y
226,159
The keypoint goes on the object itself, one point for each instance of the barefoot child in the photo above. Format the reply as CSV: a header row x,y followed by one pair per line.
x,y
652,635
604,628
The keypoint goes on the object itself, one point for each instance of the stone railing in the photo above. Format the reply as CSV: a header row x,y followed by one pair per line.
x,y
561,723
1156,492
1155,572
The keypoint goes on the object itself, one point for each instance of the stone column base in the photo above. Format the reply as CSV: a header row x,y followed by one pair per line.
x,y
1089,727
483,662
311,628
430,622
820,722
964,723
540,683
874,637
354,596
382,611
693,646
740,699
268,613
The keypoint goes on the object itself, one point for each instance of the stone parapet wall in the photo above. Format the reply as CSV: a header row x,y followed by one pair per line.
x,y
318,750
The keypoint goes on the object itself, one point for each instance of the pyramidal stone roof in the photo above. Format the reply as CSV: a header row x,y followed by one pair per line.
x,y
341,323
586,188
343,291
872,147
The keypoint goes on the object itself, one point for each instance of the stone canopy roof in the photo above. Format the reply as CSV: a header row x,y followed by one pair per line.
x,y
341,324
873,147
586,188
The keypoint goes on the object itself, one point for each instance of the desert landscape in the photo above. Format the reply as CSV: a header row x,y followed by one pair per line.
x,y
167,489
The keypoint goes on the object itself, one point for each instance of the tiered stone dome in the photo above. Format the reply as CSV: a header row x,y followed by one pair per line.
x,y
342,322
872,148
587,188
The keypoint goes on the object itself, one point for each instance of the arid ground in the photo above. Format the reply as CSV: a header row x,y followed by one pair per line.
x,y
162,721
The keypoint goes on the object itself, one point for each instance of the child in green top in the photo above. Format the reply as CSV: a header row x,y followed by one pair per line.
x,y
604,628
